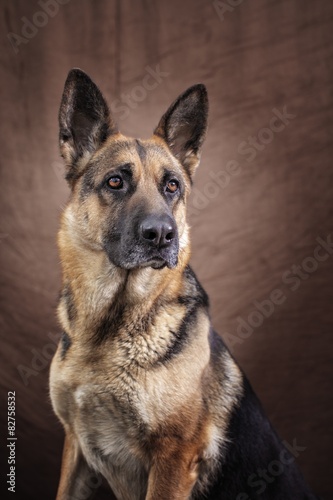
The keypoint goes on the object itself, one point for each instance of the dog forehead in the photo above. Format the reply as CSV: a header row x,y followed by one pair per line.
x,y
148,156
116,152
156,157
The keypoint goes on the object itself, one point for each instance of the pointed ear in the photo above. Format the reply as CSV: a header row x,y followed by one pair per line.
x,y
84,120
184,125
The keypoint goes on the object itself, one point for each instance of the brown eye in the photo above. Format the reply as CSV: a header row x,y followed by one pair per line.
x,y
172,186
115,182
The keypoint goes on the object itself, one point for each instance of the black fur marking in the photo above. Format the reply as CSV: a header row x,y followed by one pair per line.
x,y
195,290
253,446
111,322
141,151
97,452
66,342
67,298
195,299
115,317
64,134
180,338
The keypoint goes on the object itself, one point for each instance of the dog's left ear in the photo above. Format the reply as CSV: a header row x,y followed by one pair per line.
x,y
184,125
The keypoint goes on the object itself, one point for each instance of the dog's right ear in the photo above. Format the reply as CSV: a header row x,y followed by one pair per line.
x,y
85,122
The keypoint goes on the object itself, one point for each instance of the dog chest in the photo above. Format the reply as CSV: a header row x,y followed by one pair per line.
x,y
113,437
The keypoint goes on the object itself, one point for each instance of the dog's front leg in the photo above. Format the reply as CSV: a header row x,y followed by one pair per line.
x,y
173,474
75,480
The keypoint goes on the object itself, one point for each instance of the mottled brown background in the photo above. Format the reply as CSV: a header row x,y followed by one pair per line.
x,y
264,54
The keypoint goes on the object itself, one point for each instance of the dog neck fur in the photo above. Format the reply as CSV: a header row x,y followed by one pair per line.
x,y
95,282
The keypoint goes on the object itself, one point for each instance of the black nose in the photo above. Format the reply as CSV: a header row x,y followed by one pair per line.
x,y
159,231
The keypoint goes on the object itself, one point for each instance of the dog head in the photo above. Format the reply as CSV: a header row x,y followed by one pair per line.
x,y
129,196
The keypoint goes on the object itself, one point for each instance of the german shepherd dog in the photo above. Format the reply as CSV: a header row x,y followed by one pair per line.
x,y
148,394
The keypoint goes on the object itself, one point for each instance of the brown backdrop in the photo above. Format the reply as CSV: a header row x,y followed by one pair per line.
x,y
251,223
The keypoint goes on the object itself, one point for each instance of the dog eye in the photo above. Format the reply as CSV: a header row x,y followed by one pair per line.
x,y
172,186
115,182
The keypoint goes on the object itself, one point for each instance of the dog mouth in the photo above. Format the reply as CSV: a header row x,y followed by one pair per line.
x,y
138,256
159,262
155,261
